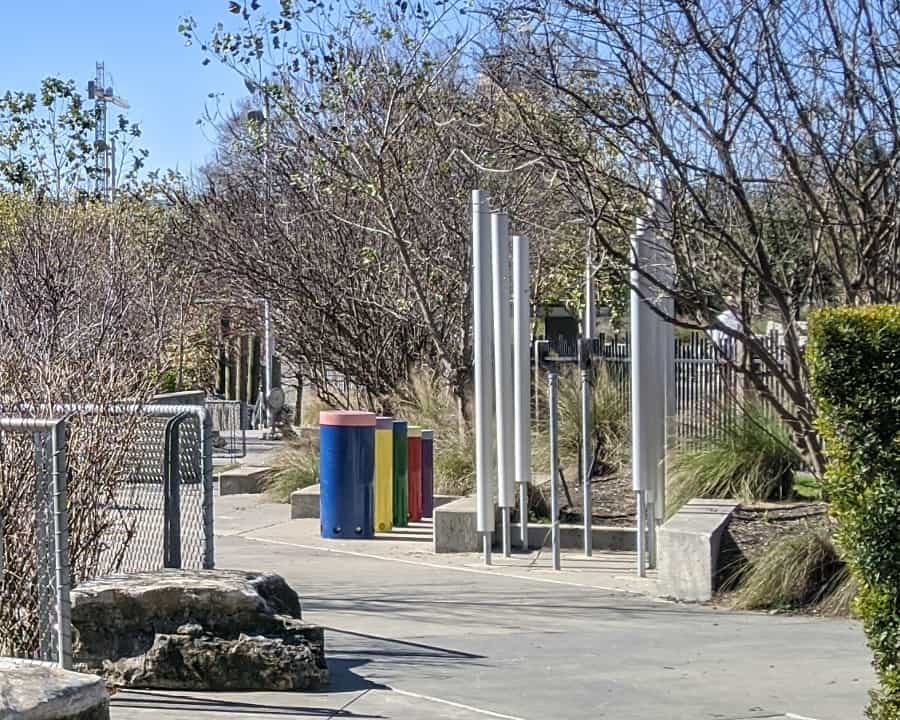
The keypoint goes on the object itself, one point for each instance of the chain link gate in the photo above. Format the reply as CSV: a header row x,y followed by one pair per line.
x,y
162,512
35,612
165,507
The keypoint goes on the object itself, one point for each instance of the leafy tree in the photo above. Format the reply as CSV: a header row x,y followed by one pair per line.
x,y
47,144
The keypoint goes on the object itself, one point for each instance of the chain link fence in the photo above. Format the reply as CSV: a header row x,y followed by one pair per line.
x,y
35,615
230,419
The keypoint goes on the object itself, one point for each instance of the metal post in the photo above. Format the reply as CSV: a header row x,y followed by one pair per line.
x,y
483,362
552,389
61,543
172,493
586,447
587,455
521,355
268,356
503,372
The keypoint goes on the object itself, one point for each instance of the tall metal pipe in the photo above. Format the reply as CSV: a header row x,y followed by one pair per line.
x,y
483,370
641,394
521,370
587,455
503,371
641,544
267,331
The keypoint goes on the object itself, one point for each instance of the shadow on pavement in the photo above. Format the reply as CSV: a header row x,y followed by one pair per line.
x,y
169,702
409,649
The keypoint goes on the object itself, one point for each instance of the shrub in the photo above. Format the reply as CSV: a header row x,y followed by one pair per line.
x,y
425,400
611,424
296,467
752,459
854,358
797,570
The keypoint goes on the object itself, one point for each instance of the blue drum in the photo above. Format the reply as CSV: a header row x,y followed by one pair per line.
x,y
346,472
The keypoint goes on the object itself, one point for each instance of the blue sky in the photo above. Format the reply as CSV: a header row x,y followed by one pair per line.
x,y
138,40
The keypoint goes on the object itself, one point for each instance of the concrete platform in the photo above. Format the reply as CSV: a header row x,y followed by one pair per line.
x,y
455,530
244,479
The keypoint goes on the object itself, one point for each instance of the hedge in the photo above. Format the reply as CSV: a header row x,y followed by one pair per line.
x,y
854,358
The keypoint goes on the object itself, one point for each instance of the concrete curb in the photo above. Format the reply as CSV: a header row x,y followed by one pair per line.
x,y
244,479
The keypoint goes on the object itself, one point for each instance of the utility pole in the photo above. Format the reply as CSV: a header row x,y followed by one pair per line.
x,y
262,118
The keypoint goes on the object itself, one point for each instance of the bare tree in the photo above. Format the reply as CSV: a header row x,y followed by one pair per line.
x,y
775,126
86,312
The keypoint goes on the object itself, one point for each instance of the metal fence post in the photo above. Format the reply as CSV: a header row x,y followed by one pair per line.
x,y
58,477
206,461
172,493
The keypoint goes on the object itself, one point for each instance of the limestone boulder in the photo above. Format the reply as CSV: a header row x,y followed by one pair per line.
x,y
40,691
196,629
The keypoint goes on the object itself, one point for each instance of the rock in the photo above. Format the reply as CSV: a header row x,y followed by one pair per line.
x,y
32,691
196,629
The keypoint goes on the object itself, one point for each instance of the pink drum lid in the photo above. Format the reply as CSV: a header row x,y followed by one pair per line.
x,y
383,422
347,418
414,431
428,434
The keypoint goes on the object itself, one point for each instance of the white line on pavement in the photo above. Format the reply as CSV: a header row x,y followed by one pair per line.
x,y
482,711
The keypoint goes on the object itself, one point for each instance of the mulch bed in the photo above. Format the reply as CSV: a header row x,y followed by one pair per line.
x,y
754,527
612,500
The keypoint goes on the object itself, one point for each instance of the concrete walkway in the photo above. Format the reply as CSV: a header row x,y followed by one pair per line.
x,y
414,635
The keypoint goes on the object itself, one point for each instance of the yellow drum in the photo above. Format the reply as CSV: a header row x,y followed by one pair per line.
x,y
384,474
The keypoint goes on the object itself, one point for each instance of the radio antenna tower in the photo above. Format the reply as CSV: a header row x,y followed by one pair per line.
x,y
105,154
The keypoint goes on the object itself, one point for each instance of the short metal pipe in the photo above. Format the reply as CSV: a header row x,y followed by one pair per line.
x,y
487,540
507,532
641,534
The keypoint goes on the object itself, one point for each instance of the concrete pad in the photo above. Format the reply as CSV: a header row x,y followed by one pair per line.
x,y
244,479
493,638
689,549
518,640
